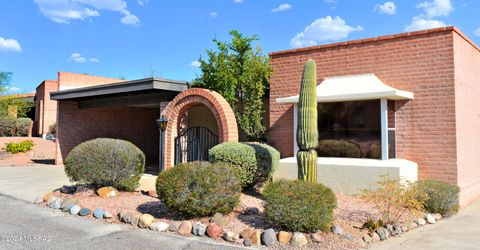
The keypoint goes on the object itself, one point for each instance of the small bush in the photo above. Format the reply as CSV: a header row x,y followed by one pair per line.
x,y
7,126
199,188
338,148
441,197
106,162
375,151
23,126
19,147
268,159
299,206
52,129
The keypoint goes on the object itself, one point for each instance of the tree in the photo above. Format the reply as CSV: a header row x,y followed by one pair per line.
x,y
4,81
21,105
240,73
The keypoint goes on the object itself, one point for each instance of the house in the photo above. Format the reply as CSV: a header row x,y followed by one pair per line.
x,y
413,95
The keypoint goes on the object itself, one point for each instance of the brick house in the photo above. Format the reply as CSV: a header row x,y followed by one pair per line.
x,y
435,127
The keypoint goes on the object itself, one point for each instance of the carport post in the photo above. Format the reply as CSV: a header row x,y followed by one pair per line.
x,y
162,125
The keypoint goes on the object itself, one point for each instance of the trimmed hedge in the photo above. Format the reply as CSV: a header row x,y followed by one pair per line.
x,y
338,148
7,126
23,126
199,188
441,197
19,147
106,162
254,163
299,205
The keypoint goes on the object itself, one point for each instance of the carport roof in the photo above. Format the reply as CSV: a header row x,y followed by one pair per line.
x,y
120,88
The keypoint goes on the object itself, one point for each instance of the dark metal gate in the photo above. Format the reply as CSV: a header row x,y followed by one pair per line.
x,y
193,144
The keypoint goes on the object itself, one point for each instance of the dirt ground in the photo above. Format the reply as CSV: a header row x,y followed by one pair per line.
x,y
43,153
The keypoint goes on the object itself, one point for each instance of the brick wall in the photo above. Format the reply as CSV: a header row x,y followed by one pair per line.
x,y
45,109
467,102
420,62
136,125
69,80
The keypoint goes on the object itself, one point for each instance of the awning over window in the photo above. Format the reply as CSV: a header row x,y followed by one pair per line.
x,y
353,88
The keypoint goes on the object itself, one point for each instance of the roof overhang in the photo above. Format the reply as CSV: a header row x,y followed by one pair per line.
x,y
353,88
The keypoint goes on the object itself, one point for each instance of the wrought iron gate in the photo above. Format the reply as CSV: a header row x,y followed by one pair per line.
x,y
193,144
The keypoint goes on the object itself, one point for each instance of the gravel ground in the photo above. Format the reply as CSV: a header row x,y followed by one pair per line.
x,y
43,152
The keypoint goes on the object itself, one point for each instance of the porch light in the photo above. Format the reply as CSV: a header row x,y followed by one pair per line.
x,y
162,125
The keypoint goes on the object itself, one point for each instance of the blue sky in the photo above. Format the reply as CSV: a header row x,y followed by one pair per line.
x,y
133,38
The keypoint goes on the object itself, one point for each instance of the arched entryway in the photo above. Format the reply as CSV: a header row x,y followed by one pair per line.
x,y
198,99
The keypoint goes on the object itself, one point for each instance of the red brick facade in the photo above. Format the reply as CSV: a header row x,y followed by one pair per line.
x,y
440,66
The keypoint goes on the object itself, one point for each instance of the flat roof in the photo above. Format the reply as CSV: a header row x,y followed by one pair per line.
x,y
124,87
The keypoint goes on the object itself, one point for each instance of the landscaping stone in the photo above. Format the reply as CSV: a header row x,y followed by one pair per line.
x,y
38,200
174,226
159,226
256,237
67,207
125,217
218,219
185,228
421,222
413,225
269,237
214,231
389,227
135,219
382,232
438,216
247,233
229,236
67,204
199,229
67,189
375,237
57,204
51,201
82,191
251,211
145,220
47,196
348,236
106,192
299,239
98,213
397,230
152,193
84,212
75,210
284,237
367,239
107,215
430,219
247,242
336,230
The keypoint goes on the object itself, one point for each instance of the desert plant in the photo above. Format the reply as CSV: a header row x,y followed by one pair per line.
x,y
307,131
394,199
7,126
339,148
106,162
441,197
19,147
298,205
199,188
23,126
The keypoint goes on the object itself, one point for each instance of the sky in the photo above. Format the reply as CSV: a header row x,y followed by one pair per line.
x,y
164,38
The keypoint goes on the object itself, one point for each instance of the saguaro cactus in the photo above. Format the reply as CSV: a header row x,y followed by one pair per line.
x,y
307,131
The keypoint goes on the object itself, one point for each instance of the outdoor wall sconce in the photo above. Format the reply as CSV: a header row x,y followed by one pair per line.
x,y
162,125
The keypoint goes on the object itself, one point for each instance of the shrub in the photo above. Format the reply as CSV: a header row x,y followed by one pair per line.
x,y
106,162
199,188
7,126
299,206
52,129
441,197
375,151
338,148
268,159
23,126
19,147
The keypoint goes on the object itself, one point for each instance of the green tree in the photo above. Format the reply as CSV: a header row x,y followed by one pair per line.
x,y
239,72
22,106
4,81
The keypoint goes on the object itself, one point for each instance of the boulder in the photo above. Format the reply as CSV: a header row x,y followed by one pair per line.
x,y
158,226
218,219
107,192
284,237
269,237
185,228
75,210
199,229
299,239
430,219
229,236
84,212
145,220
98,213
214,231
336,230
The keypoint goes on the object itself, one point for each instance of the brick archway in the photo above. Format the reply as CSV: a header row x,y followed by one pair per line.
x,y
227,124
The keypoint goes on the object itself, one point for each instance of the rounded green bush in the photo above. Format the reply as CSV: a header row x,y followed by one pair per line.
x,y
268,159
338,148
299,206
199,188
441,197
106,162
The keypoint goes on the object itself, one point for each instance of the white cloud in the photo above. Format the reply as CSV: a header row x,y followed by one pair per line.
x,y
477,32
436,8
64,11
388,8
195,64
142,2
282,7
238,1
9,45
213,14
419,23
14,90
78,58
323,29
330,1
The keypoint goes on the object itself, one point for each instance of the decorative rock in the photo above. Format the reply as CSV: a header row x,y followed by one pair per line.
x,y
68,189
247,242
251,211
158,226
152,193
421,222
135,219
348,236
256,237
336,230
437,216
38,200
413,225
185,228
382,232
199,229
269,237
299,239
51,201
125,217
67,204
174,226
107,215
397,230
247,233
229,236
145,220
218,219
106,192
57,203
375,236
98,213
389,227
430,219
47,196
75,210
82,191
214,231
284,237
84,212
367,239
